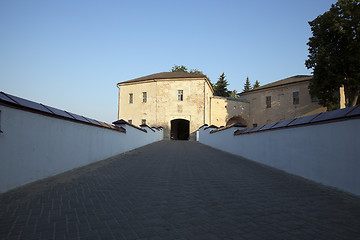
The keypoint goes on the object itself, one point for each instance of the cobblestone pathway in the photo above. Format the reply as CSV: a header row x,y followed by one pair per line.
x,y
178,190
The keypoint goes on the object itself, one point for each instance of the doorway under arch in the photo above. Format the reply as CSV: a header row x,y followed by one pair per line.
x,y
180,129
236,119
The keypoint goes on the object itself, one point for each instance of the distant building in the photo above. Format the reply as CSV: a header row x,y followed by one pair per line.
x,y
182,102
281,100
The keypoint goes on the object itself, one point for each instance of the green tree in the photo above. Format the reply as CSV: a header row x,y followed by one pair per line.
x,y
182,68
220,87
177,68
256,84
247,85
233,94
334,54
196,71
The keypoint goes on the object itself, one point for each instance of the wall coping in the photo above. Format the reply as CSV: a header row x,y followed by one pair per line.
x,y
158,128
211,126
122,121
145,125
320,118
30,106
205,125
227,127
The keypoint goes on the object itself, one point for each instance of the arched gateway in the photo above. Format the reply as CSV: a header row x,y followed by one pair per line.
x,y
180,129
236,119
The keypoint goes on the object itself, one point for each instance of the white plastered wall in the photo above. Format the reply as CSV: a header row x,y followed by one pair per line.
x,y
326,153
35,146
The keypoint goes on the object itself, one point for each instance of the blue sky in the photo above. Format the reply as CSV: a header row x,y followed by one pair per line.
x,y
70,54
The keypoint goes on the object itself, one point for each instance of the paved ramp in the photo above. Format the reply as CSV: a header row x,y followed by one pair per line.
x,y
178,190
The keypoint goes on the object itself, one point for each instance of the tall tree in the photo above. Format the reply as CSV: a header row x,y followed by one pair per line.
x,y
334,54
247,85
256,84
220,87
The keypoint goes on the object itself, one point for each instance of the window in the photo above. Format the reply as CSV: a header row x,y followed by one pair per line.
x,y
143,121
255,125
144,97
130,121
180,95
268,102
295,98
131,98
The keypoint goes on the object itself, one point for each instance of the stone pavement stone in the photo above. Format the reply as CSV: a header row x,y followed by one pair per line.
x,y
178,190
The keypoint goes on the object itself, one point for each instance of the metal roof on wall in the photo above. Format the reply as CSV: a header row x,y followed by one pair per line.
x,y
51,111
340,114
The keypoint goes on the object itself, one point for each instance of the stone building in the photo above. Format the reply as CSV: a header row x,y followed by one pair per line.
x,y
179,102
281,100
182,102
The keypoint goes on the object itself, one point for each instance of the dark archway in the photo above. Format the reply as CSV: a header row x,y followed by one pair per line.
x,y
236,119
180,129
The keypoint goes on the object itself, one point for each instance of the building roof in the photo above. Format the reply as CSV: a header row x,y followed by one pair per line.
x,y
164,75
286,81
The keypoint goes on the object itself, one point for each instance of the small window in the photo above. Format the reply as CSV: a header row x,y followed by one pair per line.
x,y
143,121
180,95
131,98
144,97
268,102
295,98
255,125
130,121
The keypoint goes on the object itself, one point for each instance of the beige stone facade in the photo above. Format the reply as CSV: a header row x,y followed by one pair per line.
x,y
169,96
182,102
172,100
282,100
226,111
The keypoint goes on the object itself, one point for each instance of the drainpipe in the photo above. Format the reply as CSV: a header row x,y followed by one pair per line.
x,y
156,103
118,101
204,101
210,112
